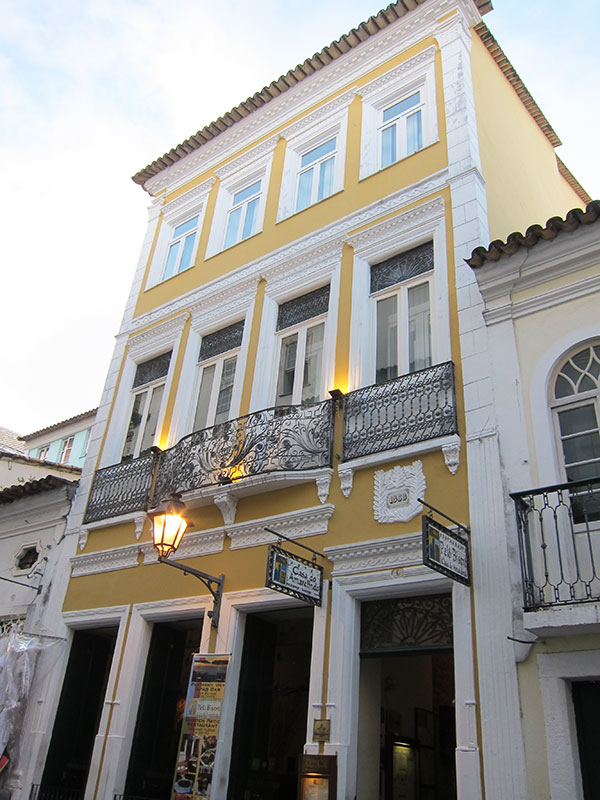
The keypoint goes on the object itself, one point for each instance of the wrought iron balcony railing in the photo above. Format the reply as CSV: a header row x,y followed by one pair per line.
x,y
287,438
121,488
43,792
559,543
402,411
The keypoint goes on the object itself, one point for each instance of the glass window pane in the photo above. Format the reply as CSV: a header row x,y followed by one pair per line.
x,y
188,249
185,227
386,360
201,417
250,219
233,225
317,152
563,387
137,414
304,189
287,370
388,146
225,390
313,359
402,106
583,471
152,418
414,133
244,194
419,328
171,260
584,447
576,420
325,178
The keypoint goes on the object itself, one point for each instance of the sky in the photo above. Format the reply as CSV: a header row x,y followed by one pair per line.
x,y
93,90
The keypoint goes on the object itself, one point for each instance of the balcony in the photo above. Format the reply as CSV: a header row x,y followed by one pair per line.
x,y
403,411
559,544
285,439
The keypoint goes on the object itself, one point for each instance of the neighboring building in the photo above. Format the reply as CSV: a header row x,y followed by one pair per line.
x,y
33,576
312,239
541,294
63,443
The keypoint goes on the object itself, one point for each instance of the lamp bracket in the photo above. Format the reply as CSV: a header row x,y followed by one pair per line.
x,y
37,589
214,585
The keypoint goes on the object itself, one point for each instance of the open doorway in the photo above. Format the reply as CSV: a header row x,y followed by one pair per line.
x,y
272,708
406,733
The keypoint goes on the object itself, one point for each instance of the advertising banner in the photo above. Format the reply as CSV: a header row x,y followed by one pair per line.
x,y
293,575
200,728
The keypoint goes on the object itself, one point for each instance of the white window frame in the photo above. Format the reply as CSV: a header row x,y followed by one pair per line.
x,y
43,452
243,206
217,362
400,292
66,448
173,214
301,329
143,389
235,177
181,239
310,132
415,75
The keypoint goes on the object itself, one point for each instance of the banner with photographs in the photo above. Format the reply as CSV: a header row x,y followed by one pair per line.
x,y
200,728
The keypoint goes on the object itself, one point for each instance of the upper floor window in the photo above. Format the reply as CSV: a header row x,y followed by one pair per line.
x,y
43,452
217,363
576,404
243,214
181,247
315,179
65,450
401,130
401,293
148,388
300,369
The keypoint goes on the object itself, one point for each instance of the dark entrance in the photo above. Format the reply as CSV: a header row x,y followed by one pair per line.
x,y
586,699
406,734
160,713
78,714
270,722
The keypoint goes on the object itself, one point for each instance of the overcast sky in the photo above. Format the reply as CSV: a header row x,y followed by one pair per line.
x,y
93,90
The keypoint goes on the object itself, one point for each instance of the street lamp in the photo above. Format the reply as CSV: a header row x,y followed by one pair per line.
x,y
168,527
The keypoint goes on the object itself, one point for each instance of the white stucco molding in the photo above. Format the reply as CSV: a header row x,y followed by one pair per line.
x,y
556,671
222,305
568,620
192,200
105,561
396,492
247,160
193,545
293,524
159,337
227,504
331,110
394,552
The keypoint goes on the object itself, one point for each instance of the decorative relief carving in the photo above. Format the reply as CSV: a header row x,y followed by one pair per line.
x,y
323,484
252,155
397,74
191,198
379,554
346,476
452,454
200,543
161,335
83,537
227,503
316,117
396,493
294,525
105,561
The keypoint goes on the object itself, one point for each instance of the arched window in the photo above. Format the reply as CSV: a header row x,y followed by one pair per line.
x,y
575,399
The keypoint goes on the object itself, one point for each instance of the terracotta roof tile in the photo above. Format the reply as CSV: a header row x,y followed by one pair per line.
x,y
30,488
76,418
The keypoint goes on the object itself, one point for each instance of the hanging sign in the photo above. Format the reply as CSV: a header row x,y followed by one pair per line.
x,y
293,575
200,728
445,551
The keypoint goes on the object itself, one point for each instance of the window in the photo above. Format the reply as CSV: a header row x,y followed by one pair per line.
x,y
217,362
243,215
65,450
401,129
315,179
27,557
43,452
148,388
300,369
402,297
181,247
576,402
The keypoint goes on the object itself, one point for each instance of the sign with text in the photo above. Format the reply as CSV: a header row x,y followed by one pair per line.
x,y
445,551
293,575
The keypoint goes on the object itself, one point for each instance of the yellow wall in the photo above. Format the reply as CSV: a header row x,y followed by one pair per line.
x,y
523,184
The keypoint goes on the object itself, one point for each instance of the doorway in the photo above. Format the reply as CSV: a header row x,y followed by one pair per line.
x,y
586,701
270,723
406,728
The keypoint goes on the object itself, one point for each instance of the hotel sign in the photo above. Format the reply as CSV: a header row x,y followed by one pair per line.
x,y
293,575
445,551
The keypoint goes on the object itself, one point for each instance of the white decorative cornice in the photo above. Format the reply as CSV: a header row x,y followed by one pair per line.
x,y
161,336
194,544
399,454
256,154
453,28
222,304
396,75
105,561
293,524
191,199
377,554
227,504
396,493
334,108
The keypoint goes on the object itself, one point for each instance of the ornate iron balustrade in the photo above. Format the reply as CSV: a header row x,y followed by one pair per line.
x,y
405,410
286,438
121,488
39,792
559,543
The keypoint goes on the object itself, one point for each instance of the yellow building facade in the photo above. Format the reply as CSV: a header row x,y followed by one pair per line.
x,y
297,354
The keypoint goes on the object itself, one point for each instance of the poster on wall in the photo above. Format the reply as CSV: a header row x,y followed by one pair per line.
x,y
200,728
